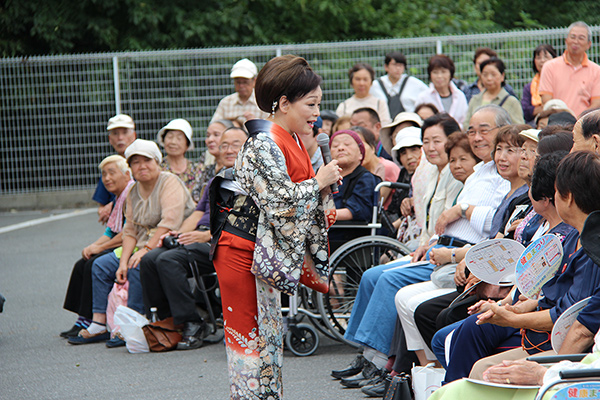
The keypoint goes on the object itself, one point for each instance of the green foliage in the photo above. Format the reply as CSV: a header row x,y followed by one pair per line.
x,y
65,26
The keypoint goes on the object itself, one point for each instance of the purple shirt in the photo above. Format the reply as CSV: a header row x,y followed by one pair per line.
x,y
203,205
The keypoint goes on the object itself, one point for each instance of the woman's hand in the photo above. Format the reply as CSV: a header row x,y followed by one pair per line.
x,y
480,307
90,251
497,315
329,174
514,225
104,213
163,236
517,372
406,207
441,256
447,217
193,237
135,258
419,253
121,273
460,278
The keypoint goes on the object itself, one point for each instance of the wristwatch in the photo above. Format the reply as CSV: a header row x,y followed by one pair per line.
x,y
463,209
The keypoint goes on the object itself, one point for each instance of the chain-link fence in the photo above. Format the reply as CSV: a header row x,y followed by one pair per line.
x,y
54,109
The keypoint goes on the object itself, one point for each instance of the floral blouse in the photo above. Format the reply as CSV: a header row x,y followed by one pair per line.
x,y
190,177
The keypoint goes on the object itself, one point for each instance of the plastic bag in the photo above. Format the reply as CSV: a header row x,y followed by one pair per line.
x,y
426,380
131,323
116,298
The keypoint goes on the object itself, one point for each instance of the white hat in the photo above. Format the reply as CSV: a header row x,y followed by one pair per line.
x,y
146,148
120,121
178,124
385,135
531,134
408,137
244,69
556,104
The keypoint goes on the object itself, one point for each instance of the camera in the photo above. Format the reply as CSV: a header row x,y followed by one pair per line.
x,y
170,242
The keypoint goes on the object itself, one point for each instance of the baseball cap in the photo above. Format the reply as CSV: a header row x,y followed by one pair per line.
x,y
120,121
244,69
408,137
178,124
146,148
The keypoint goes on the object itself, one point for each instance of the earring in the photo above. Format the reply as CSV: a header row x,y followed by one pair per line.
x,y
273,107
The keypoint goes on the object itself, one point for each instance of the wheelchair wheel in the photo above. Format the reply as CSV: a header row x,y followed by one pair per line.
x,y
302,340
347,265
308,299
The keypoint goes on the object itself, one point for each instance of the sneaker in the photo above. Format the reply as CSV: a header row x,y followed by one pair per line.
x,y
85,338
193,335
74,331
354,368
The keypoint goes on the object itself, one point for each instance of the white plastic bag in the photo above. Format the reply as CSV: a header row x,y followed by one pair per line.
x,y
131,323
426,380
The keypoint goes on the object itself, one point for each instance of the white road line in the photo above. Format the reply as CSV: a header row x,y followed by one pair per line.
x,y
51,218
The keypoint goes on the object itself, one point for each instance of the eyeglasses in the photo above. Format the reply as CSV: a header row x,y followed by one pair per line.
x,y
232,146
482,131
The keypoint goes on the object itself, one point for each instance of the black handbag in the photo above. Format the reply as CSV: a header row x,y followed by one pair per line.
x,y
398,387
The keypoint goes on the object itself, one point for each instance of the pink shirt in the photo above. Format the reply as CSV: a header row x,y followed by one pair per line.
x,y
576,86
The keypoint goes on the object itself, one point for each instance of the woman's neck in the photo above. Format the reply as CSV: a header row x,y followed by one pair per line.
x,y
178,164
444,92
362,96
491,94
147,187
551,216
371,164
515,183
311,148
348,169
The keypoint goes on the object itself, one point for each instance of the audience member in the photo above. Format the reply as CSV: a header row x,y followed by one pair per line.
x,y
368,118
426,110
482,54
342,124
586,133
387,134
329,118
531,101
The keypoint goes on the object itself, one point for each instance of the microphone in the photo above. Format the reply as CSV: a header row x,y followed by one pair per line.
x,y
323,142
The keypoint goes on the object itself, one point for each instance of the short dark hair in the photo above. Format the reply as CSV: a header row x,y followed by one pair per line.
x,y
440,61
544,176
496,62
366,134
427,105
448,124
373,115
538,50
460,139
579,174
484,50
357,67
510,134
559,141
290,76
590,124
396,56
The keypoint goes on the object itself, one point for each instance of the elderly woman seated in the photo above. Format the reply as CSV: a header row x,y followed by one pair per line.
x,y
176,139
354,201
116,178
157,203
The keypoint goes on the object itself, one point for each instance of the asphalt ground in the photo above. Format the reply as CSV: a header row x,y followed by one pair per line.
x,y
36,259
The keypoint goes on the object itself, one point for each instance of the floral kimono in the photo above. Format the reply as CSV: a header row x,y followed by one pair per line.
x,y
290,246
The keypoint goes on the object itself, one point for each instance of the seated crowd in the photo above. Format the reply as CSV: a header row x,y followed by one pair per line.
x,y
481,165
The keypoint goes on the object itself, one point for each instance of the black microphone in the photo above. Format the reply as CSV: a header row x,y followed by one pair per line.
x,y
323,141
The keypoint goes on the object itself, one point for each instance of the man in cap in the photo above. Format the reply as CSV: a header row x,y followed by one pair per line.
x,y
121,133
240,105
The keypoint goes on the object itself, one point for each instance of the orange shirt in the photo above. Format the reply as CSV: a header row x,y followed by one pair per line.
x,y
576,86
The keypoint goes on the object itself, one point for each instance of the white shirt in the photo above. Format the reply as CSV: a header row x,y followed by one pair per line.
x,y
485,189
414,87
459,107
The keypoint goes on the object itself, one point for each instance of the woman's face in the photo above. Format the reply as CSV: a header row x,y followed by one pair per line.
x,y
302,114
144,169
492,78
461,163
410,158
361,83
213,137
538,206
345,149
440,77
528,157
369,151
175,143
114,179
434,140
562,207
541,59
507,160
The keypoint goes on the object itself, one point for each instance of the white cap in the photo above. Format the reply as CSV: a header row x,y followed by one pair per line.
x,y
146,148
178,124
556,104
385,135
120,121
244,69
408,137
531,134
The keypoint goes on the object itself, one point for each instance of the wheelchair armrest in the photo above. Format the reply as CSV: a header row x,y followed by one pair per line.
x,y
580,373
557,358
393,185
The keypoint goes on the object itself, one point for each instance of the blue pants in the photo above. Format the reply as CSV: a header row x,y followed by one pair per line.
x,y
374,314
438,343
103,278
472,342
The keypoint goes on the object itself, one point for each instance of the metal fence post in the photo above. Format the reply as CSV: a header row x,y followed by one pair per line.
x,y
438,47
117,85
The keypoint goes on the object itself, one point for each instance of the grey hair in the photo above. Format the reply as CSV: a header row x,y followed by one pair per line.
x,y
582,25
502,117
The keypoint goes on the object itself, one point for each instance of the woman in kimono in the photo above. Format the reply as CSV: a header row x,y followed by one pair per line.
x,y
275,234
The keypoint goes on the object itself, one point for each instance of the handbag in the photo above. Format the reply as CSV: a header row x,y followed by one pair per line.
x,y
162,335
398,387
